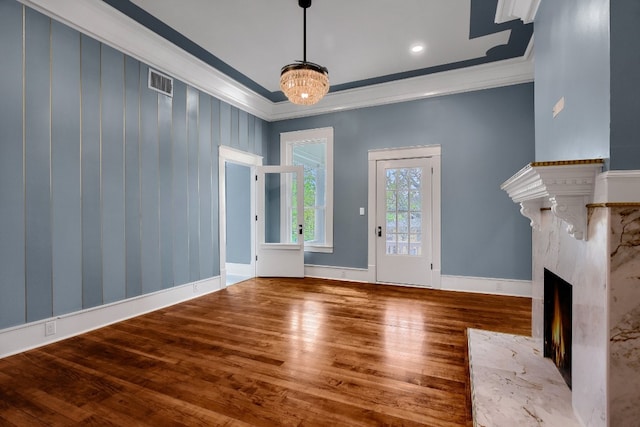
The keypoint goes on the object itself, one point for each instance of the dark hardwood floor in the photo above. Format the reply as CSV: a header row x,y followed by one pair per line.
x,y
266,352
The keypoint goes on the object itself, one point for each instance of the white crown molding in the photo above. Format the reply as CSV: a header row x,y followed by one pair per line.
x,y
486,76
508,10
104,23
567,185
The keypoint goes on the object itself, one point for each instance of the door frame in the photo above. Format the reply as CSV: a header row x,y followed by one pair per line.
x,y
432,151
232,155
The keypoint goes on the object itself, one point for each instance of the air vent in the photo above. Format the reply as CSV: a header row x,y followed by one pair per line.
x,y
160,83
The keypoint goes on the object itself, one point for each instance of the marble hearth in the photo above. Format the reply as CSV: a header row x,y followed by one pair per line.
x,y
586,229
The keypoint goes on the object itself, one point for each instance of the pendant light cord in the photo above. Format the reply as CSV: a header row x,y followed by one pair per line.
x,y
304,34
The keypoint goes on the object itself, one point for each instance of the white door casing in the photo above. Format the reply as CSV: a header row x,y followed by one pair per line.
x,y
280,251
228,154
376,218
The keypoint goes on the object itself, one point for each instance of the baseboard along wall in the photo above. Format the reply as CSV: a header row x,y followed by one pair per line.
x,y
36,334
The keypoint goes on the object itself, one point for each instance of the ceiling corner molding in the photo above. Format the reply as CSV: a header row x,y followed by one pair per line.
x,y
568,186
508,10
100,21
486,76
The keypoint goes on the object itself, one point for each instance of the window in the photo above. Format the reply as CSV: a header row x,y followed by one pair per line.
x,y
313,150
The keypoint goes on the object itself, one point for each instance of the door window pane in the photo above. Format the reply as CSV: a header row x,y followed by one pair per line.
x,y
404,206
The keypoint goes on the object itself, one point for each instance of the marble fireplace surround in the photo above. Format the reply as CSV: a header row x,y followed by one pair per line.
x,y
586,229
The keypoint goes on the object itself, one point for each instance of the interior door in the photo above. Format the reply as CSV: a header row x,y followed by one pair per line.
x,y
404,216
280,237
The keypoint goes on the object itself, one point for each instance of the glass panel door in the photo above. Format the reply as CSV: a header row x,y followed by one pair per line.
x,y
403,202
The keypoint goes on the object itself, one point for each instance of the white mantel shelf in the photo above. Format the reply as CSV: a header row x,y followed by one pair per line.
x,y
566,186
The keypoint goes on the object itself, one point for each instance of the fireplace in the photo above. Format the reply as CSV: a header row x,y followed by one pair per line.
x,y
557,323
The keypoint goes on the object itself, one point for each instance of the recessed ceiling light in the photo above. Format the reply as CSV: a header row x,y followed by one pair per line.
x,y
417,48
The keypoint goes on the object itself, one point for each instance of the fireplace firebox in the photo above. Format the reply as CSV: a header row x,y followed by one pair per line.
x,y
558,297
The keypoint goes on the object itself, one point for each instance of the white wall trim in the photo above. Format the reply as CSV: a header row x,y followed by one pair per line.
x,y
228,154
484,285
336,273
104,23
432,151
508,10
617,186
31,335
486,76
238,269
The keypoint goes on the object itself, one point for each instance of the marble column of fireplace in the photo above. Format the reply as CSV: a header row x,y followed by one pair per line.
x,y
602,262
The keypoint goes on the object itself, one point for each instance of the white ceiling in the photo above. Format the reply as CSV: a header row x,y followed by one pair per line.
x,y
354,39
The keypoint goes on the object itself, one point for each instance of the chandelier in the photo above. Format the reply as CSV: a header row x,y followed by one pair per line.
x,y
304,83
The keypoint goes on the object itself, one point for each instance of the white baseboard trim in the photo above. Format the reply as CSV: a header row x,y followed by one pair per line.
x,y
26,337
336,273
484,285
240,269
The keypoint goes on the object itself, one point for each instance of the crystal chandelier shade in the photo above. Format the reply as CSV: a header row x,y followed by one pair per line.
x,y
304,83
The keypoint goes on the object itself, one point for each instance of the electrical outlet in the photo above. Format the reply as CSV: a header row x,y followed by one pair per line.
x,y
499,287
196,288
50,328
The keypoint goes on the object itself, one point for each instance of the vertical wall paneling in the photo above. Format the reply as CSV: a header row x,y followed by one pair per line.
x,y
235,129
215,124
194,205
225,124
38,165
90,138
113,212
204,185
243,130
259,137
12,242
149,193
215,211
180,185
65,169
165,169
251,134
132,177
107,189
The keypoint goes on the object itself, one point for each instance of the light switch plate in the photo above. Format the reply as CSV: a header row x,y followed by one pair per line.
x,y
361,211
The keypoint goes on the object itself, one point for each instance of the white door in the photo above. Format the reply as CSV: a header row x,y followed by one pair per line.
x,y
404,216
280,238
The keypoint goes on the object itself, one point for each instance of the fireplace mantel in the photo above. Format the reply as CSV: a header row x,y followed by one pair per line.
x,y
567,187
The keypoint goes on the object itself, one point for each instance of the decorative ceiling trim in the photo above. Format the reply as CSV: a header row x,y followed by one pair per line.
x,y
486,76
508,10
104,23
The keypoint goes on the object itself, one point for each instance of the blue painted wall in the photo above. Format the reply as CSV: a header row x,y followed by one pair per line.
x,y
238,190
625,90
108,190
485,136
572,60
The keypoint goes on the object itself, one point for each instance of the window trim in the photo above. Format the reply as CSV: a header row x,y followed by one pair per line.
x,y
287,141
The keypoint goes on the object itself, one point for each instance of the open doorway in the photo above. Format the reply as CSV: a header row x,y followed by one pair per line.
x,y
237,213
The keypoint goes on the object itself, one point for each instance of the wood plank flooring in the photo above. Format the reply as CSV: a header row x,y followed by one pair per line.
x,y
266,352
